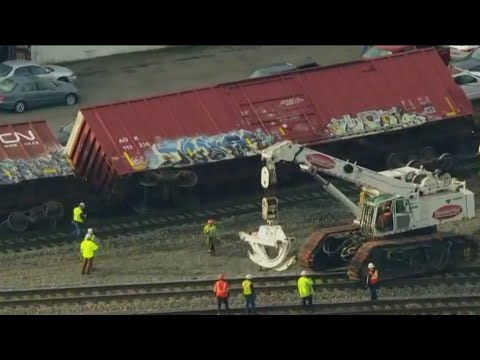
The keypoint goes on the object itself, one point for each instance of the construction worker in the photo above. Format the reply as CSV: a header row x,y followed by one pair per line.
x,y
88,248
221,292
249,294
210,232
305,289
372,281
78,218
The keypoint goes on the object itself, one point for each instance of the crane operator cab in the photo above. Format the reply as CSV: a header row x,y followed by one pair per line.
x,y
384,215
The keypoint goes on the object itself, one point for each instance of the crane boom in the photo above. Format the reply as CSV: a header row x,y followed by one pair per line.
x,y
332,190
290,152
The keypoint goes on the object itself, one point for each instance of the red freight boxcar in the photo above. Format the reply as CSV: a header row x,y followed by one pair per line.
x,y
395,108
32,163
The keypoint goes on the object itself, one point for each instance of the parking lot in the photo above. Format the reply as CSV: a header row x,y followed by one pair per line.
x,y
136,75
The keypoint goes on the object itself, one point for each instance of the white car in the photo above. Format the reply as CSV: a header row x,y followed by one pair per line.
x,y
469,82
29,68
458,52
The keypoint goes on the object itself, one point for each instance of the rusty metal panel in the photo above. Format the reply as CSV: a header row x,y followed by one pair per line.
x,y
30,151
237,119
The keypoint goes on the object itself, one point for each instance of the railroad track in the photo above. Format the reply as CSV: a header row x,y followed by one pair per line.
x,y
134,225
83,297
448,305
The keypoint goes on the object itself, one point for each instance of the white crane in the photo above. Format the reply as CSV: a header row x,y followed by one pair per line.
x,y
395,201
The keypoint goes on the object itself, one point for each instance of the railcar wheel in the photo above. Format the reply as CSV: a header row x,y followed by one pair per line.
x,y
53,210
4,227
17,221
427,154
395,160
446,162
414,163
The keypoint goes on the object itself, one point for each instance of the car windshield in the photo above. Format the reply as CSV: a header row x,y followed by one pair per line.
x,y
374,52
4,70
7,86
476,54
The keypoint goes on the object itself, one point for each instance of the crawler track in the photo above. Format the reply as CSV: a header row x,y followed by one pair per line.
x,y
18,300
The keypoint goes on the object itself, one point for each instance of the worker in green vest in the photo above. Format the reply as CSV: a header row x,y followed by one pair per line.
x,y
210,232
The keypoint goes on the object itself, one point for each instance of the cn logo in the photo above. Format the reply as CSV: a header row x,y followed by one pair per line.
x,y
16,137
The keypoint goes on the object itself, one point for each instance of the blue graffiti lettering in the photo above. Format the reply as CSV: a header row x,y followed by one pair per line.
x,y
187,151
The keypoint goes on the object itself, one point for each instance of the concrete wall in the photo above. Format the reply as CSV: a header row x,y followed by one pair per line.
x,y
52,54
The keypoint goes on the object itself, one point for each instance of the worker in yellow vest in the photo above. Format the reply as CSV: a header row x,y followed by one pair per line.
x,y
305,290
249,294
78,218
88,248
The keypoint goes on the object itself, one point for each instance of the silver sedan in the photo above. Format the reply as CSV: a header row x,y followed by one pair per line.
x,y
29,68
20,93
469,82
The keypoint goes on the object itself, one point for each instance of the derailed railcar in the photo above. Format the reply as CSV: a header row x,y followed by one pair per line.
x,y
381,113
34,172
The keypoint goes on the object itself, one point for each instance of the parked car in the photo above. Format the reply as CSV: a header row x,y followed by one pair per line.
x,y
459,52
469,82
471,62
385,50
20,93
281,68
64,133
29,68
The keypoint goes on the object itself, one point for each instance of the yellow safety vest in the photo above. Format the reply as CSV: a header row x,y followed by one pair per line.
x,y
247,287
77,214
210,230
88,248
305,286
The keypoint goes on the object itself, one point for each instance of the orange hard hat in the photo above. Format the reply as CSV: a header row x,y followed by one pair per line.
x,y
210,221
221,276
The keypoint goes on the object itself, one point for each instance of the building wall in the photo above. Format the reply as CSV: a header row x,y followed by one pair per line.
x,y
53,54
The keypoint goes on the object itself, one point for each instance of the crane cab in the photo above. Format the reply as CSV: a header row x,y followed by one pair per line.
x,y
385,214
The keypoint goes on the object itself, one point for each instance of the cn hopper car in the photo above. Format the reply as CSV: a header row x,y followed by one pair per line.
x,y
164,150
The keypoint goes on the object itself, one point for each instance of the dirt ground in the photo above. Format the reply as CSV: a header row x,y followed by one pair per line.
x,y
178,252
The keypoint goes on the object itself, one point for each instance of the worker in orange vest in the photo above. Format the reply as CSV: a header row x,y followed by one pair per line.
x,y
221,292
372,281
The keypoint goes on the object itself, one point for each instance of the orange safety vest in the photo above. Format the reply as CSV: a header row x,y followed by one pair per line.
x,y
221,289
373,276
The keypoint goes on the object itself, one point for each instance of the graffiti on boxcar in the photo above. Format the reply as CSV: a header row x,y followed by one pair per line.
x,y
375,120
186,151
53,163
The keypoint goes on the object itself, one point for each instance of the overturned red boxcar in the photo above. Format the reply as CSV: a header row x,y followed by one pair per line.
x,y
383,113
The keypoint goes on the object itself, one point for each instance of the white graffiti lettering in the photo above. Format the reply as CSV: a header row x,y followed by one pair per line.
x,y
16,137
374,120
291,101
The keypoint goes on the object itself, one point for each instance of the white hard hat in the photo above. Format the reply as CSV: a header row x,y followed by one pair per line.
x,y
371,266
88,236
90,231
82,204
304,272
248,277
